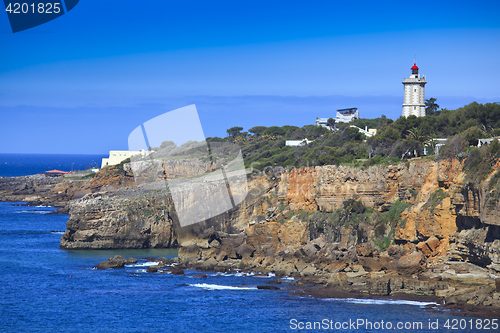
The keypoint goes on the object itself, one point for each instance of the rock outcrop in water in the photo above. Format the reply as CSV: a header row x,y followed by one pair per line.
x,y
103,221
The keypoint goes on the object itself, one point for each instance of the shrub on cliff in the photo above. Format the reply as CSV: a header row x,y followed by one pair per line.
x,y
393,215
435,199
480,161
353,214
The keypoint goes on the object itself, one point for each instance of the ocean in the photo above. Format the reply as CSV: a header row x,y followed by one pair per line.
x,y
46,289
12,165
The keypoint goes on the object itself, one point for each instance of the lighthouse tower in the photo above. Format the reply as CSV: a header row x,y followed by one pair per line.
x,y
414,94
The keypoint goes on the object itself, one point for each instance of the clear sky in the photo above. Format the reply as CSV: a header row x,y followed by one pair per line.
x,y
83,82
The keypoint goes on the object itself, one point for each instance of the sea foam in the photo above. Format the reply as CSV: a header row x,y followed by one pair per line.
x,y
144,264
381,301
208,286
32,212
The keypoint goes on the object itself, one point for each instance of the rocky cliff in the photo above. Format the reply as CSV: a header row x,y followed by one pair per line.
x,y
417,227
445,216
59,191
105,221
423,227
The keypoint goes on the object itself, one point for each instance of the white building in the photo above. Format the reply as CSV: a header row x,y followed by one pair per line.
x,y
487,142
367,131
414,101
343,116
347,115
296,143
323,122
117,156
437,143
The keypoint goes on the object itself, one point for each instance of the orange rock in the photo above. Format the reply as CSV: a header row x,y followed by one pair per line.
x,y
412,260
432,243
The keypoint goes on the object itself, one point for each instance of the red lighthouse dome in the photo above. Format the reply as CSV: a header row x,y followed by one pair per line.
x,y
414,69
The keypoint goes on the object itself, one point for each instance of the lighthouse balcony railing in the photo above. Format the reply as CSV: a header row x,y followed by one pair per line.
x,y
414,80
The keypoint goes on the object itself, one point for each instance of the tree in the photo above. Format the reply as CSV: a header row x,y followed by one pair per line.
x,y
257,130
275,131
330,123
431,144
472,135
430,106
454,147
234,131
417,135
352,134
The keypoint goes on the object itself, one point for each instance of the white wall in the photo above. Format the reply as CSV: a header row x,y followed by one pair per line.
x,y
117,156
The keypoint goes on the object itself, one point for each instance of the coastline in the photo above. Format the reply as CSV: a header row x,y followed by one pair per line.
x,y
322,286
314,286
437,256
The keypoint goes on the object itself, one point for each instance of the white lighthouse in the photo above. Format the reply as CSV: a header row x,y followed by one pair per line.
x,y
414,102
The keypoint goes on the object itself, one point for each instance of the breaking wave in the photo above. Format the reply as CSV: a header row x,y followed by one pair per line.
x,y
144,264
381,301
208,286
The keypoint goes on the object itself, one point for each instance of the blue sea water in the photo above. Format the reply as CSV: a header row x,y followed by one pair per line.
x,y
46,289
12,165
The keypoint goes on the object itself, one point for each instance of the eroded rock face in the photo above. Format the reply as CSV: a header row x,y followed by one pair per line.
x,y
58,191
449,218
299,189
38,190
99,221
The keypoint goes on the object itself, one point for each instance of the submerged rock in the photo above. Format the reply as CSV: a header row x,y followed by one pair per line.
x,y
152,269
200,276
267,287
176,270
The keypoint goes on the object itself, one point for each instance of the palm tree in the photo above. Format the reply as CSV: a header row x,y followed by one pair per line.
x,y
419,137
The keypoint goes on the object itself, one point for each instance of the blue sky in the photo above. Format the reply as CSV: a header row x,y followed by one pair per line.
x,y
82,82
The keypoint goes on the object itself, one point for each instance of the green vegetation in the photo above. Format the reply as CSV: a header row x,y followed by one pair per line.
x,y
353,214
89,176
393,215
384,242
463,126
360,218
395,140
430,106
435,199
480,161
